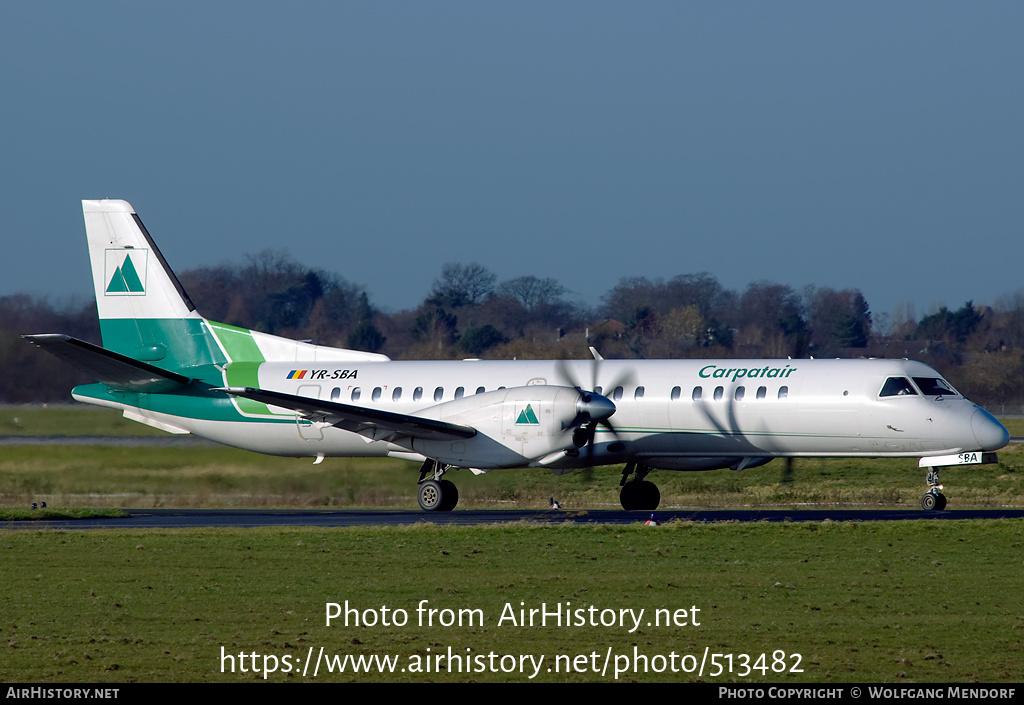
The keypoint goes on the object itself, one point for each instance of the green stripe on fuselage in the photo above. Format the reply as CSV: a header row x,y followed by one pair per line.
x,y
238,342
243,370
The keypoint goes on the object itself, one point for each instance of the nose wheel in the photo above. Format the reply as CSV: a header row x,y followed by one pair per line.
x,y
933,500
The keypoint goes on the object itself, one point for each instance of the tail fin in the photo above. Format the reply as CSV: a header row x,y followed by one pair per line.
x,y
131,277
146,315
144,311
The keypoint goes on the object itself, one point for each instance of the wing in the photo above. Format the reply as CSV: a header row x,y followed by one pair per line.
x,y
373,423
111,368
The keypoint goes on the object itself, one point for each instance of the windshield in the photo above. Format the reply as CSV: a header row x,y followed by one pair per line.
x,y
934,386
897,387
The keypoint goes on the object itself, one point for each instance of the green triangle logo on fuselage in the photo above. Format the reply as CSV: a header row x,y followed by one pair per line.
x,y
527,416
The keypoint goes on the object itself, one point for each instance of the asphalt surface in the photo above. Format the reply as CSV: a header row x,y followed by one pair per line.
x,y
247,518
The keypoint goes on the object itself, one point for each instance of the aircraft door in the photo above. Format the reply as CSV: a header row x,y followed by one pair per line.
x,y
309,430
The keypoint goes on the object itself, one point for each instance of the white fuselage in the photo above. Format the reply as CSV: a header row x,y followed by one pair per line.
x,y
674,414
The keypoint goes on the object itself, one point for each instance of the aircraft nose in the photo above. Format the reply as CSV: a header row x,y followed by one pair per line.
x,y
990,434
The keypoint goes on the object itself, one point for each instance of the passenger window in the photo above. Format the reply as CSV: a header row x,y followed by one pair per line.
x,y
417,394
697,392
376,394
719,393
438,393
460,392
336,394
617,394
762,392
739,394
397,394
356,393
783,392
897,387
639,393
479,390
676,391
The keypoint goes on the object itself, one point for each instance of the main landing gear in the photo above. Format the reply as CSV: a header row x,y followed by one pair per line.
x,y
435,494
638,493
933,500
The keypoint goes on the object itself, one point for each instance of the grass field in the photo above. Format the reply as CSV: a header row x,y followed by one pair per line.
x,y
68,420
897,602
107,476
103,476
852,602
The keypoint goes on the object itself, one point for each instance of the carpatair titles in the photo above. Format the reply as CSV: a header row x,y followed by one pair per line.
x,y
735,373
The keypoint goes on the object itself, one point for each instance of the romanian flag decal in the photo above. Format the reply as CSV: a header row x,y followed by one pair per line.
x,y
297,374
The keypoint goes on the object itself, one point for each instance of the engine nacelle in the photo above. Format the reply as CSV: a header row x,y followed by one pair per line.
x,y
514,426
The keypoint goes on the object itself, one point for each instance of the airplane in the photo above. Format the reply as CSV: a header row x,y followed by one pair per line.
x,y
162,364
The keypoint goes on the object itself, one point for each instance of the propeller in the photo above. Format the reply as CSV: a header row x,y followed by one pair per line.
x,y
732,431
787,472
592,409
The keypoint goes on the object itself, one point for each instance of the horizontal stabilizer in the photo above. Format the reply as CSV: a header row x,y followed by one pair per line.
x,y
358,419
111,368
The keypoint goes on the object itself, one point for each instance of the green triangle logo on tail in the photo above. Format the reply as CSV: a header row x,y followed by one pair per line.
x,y
125,278
527,416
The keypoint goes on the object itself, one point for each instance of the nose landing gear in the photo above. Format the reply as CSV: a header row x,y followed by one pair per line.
x,y
933,499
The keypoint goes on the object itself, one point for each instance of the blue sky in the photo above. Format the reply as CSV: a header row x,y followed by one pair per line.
x,y
872,145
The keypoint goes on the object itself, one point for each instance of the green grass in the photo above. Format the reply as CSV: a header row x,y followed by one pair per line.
x,y
108,476
102,476
930,601
1014,425
68,420
892,602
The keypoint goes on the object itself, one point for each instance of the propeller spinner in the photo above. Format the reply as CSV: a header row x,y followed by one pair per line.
x,y
592,409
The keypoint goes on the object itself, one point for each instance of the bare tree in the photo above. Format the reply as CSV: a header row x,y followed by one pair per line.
x,y
531,291
463,284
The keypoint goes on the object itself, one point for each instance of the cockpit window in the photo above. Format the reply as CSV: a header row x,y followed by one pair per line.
x,y
897,387
934,386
